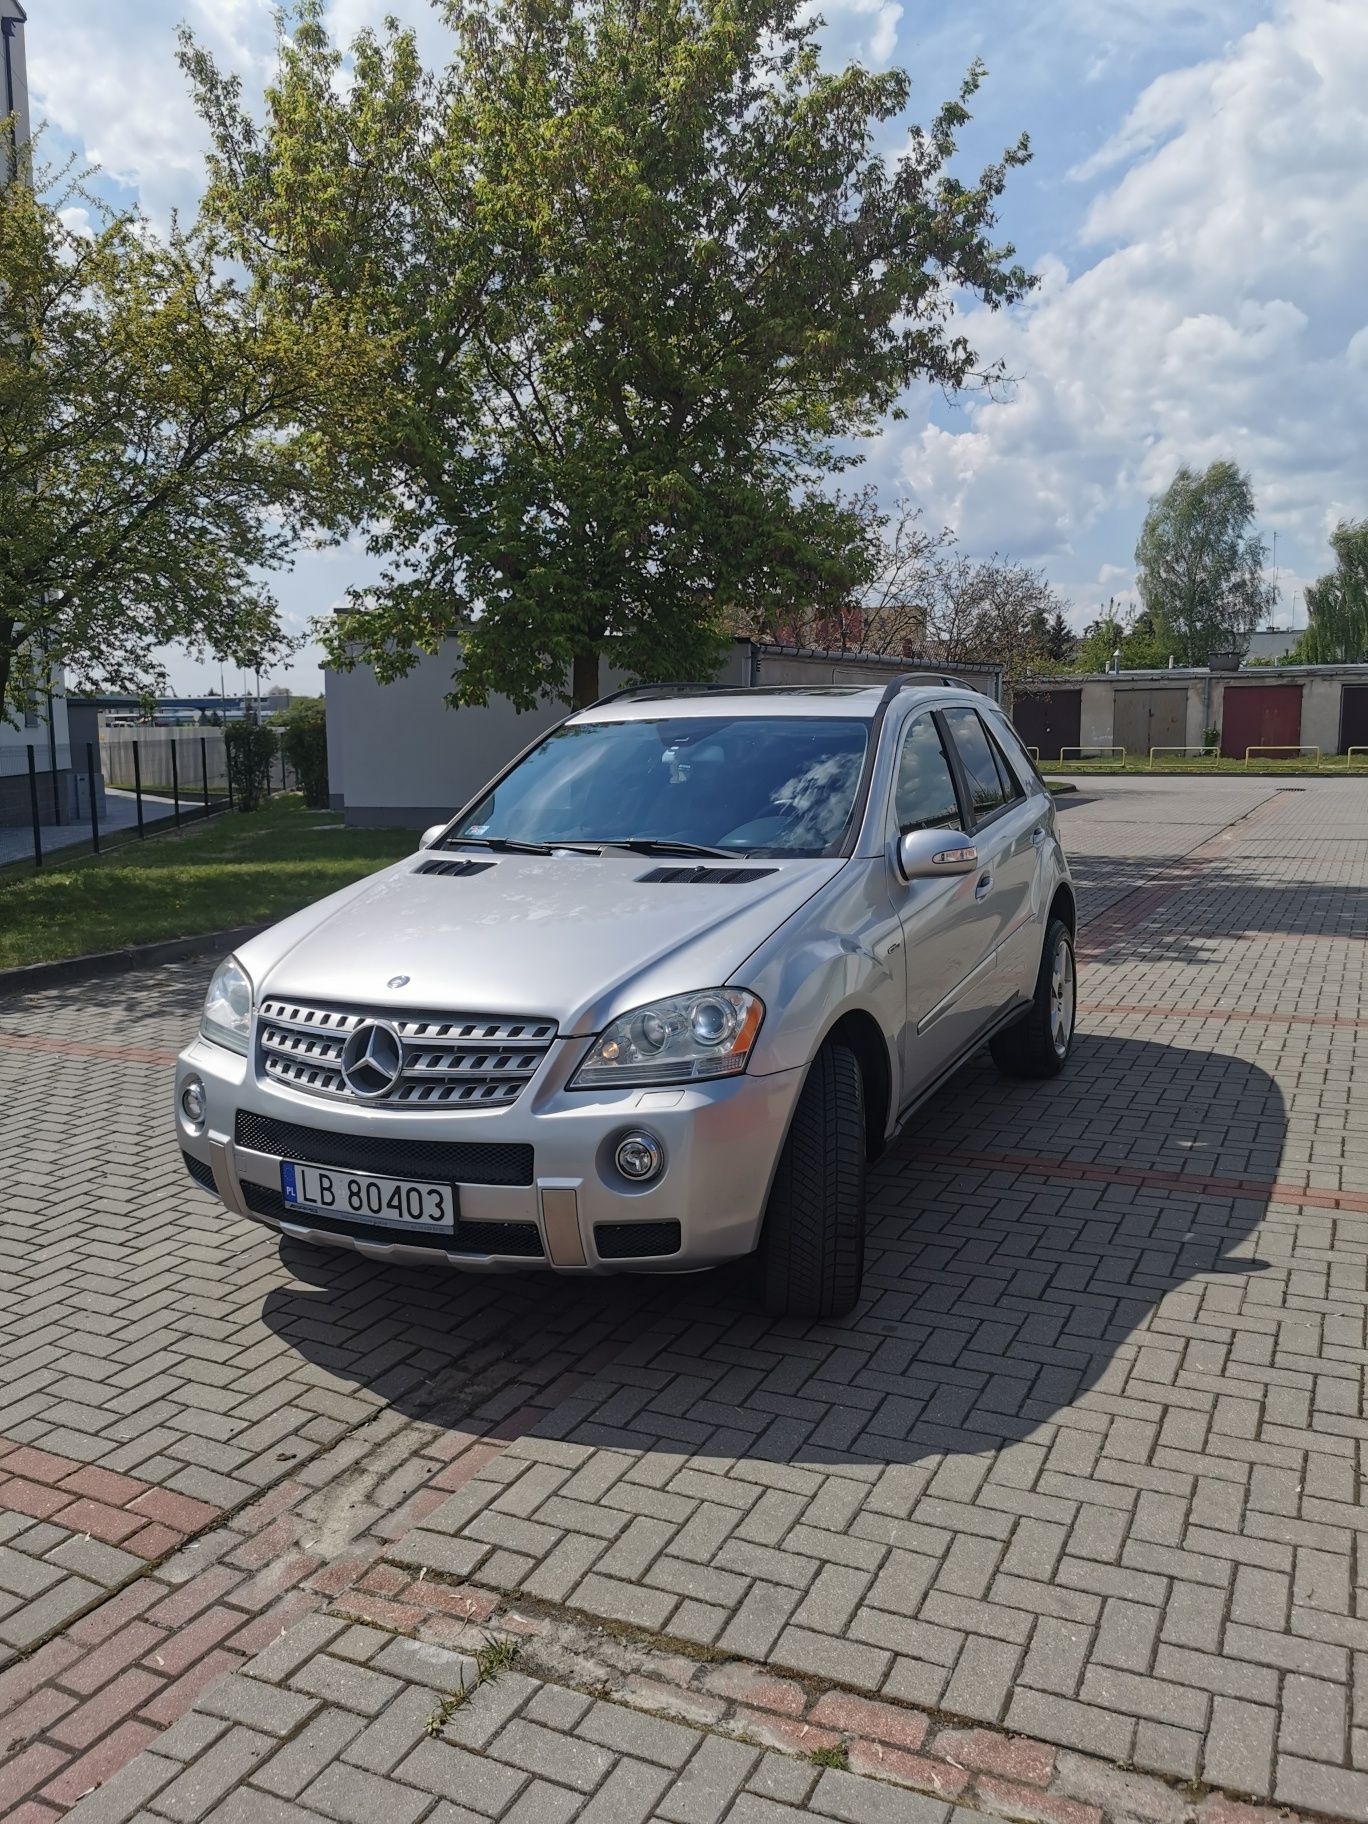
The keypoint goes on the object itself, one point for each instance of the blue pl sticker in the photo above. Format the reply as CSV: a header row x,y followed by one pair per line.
x,y
287,1184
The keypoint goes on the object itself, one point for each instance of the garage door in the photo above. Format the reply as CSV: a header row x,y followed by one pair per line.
x,y
1260,715
1150,718
1048,719
1354,717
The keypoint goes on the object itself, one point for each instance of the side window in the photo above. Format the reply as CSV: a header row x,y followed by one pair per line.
x,y
925,796
991,784
1018,759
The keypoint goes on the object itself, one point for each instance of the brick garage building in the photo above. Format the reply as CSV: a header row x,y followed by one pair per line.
x,y
1324,706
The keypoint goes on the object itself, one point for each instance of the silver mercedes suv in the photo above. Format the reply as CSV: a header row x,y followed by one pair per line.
x,y
655,998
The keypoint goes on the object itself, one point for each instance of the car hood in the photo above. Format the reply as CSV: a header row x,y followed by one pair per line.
x,y
574,938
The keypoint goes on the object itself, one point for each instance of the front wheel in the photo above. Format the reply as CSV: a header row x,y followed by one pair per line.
x,y
1038,1044
812,1245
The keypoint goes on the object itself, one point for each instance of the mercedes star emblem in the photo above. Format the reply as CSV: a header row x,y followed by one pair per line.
x,y
373,1059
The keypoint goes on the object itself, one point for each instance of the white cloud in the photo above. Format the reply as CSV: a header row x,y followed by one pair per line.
x,y
1216,321
107,79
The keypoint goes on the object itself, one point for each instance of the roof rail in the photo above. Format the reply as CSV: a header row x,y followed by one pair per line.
x,y
906,678
671,687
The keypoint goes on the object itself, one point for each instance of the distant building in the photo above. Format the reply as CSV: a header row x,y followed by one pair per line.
x,y
13,86
1273,643
46,734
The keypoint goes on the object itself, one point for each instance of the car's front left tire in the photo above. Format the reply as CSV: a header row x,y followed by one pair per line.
x,y
813,1240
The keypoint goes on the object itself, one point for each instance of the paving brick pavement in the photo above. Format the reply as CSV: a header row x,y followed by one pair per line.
x,y
1084,1468
345,1721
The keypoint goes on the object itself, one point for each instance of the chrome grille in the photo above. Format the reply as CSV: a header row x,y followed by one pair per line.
x,y
451,1060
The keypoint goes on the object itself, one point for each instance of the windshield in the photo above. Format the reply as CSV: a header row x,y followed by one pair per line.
x,y
781,785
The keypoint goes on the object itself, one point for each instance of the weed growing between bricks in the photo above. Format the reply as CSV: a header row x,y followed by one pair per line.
x,y
496,1656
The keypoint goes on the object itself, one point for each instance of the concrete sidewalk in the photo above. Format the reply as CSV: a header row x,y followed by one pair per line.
x,y
120,815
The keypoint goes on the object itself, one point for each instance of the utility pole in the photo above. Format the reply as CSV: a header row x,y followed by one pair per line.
x,y
1273,610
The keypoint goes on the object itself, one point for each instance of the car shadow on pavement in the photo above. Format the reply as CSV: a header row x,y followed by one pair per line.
x,y
1020,1235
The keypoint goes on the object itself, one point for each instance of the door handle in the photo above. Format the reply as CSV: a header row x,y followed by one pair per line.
x,y
985,881
1037,835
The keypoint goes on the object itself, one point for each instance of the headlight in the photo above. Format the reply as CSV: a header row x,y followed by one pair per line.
x,y
227,1016
684,1039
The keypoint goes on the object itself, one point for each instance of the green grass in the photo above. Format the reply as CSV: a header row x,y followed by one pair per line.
x,y
837,1757
238,870
1330,767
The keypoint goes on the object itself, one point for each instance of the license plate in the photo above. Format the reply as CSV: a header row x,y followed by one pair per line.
x,y
392,1203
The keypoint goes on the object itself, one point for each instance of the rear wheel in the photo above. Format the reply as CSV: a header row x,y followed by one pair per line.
x,y
812,1246
1039,1044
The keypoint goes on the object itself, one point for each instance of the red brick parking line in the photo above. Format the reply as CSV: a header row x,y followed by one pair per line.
x,y
122,1510
1159,933
1266,1190
81,1048
1216,1013
1007,1775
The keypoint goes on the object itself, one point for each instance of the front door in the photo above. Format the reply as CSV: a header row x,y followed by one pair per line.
x,y
942,934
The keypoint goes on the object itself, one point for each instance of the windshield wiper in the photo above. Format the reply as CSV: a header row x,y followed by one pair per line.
x,y
658,845
509,843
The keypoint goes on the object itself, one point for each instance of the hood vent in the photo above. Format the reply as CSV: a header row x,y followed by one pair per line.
x,y
703,876
459,868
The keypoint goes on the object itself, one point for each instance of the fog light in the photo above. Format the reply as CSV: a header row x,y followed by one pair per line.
x,y
194,1101
639,1157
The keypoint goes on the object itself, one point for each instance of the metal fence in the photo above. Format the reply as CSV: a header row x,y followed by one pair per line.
x,y
129,786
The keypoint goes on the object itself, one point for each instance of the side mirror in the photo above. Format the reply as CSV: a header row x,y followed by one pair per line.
x,y
929,854
430,835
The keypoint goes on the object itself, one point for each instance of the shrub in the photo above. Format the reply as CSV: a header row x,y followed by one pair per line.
x,y
250,749
304,733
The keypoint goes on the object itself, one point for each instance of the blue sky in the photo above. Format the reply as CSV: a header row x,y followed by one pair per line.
x,y
1197,210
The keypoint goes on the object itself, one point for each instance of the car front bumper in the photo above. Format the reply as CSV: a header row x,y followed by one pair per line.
x,y
571,1211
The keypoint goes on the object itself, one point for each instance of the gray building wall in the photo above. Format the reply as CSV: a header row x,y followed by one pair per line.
x,y
399,755
1271,644
792,665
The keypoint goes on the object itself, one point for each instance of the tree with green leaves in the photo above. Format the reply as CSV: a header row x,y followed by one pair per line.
x,y
304,740
147,463
634,277
1337,603
1131,632
1061,642
1201,564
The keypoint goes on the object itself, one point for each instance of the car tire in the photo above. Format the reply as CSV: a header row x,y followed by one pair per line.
x,y
1038,1045
812,1244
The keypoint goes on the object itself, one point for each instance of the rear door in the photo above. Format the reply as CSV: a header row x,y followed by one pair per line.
x,y
1009,832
